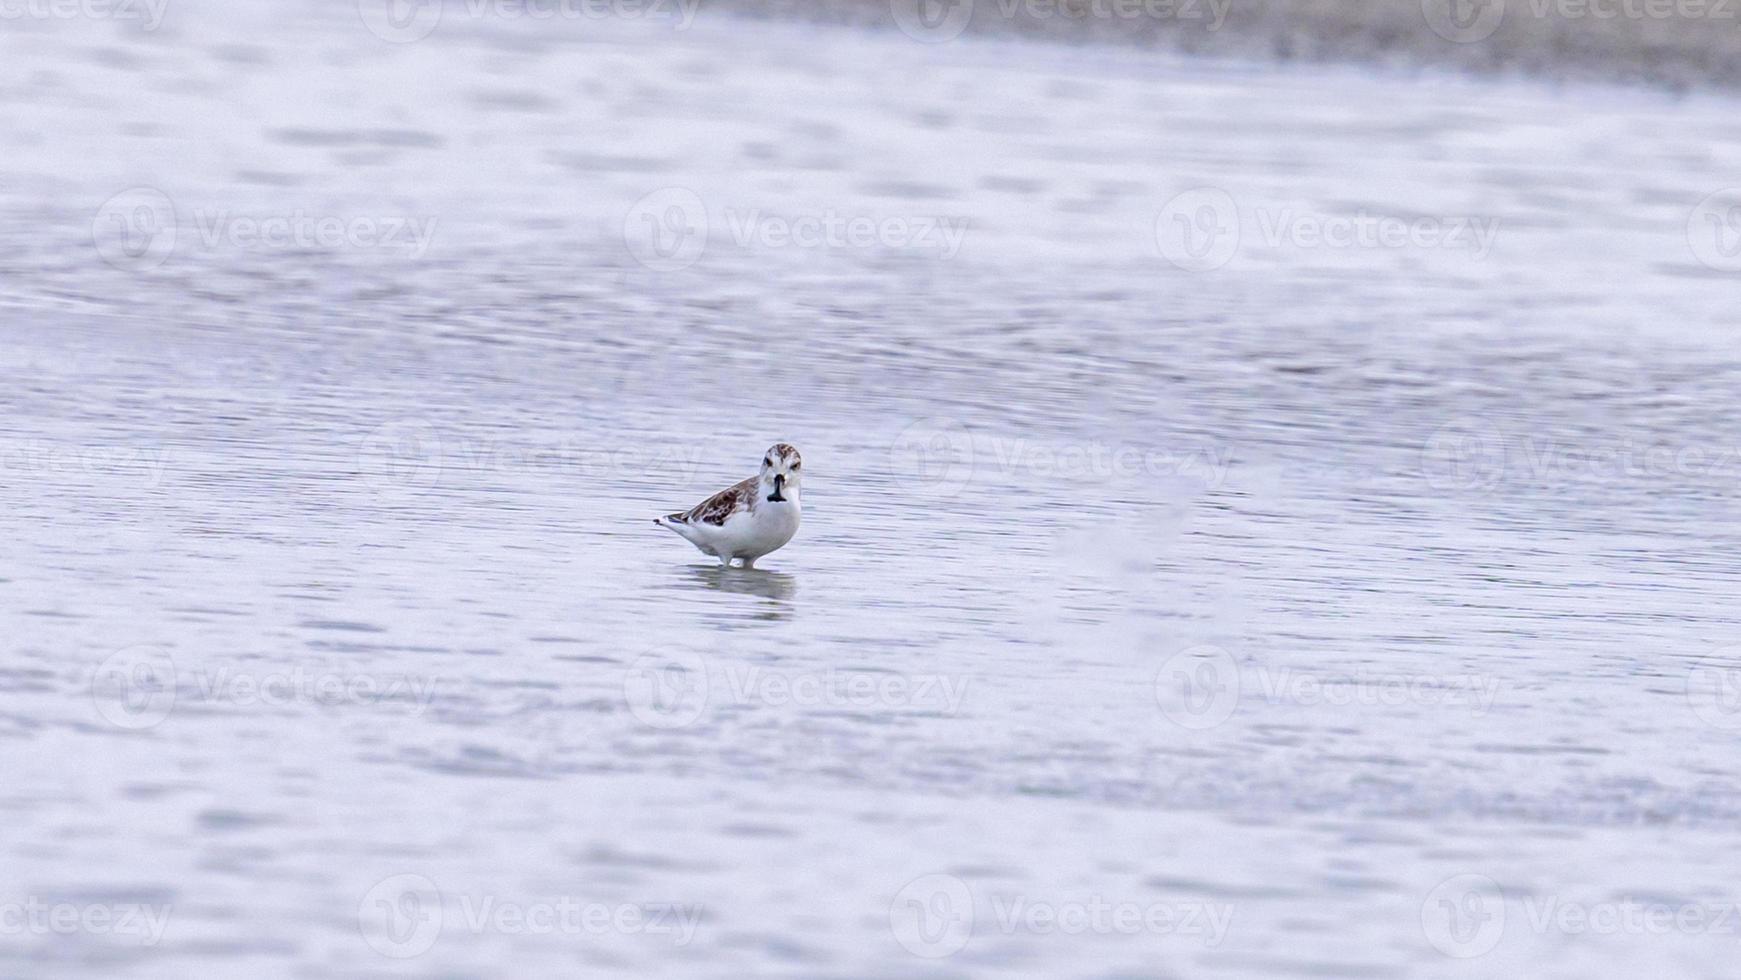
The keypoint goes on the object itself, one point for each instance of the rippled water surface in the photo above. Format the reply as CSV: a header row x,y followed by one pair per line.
x,y
1341,610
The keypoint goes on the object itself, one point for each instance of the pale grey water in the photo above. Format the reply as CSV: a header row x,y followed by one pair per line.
x,y
1338,611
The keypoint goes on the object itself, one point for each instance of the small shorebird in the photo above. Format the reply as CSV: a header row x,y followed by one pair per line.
x,y
750,519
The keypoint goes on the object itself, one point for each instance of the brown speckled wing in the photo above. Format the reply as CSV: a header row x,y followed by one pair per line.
x,y
715,509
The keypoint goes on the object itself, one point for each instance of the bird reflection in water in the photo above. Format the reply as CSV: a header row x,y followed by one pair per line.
x,y
777,586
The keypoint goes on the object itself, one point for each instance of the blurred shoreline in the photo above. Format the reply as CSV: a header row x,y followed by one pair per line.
x,y
1673,44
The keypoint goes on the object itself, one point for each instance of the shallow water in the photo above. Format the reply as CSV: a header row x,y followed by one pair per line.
x,y
1337,610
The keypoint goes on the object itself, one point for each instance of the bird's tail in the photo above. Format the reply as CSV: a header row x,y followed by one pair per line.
x,y
670,522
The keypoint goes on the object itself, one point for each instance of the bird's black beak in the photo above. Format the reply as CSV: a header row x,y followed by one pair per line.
x,y
779,485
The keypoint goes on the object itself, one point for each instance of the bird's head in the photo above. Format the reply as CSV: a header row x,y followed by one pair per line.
x,y
782,472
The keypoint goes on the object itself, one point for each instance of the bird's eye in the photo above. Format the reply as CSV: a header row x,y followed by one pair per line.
x,y
766,461
796,466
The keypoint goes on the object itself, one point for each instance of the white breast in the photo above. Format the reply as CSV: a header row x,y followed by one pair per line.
x,y
755,533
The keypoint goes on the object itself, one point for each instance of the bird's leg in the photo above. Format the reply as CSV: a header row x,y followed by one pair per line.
x,y
725,560
749,563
